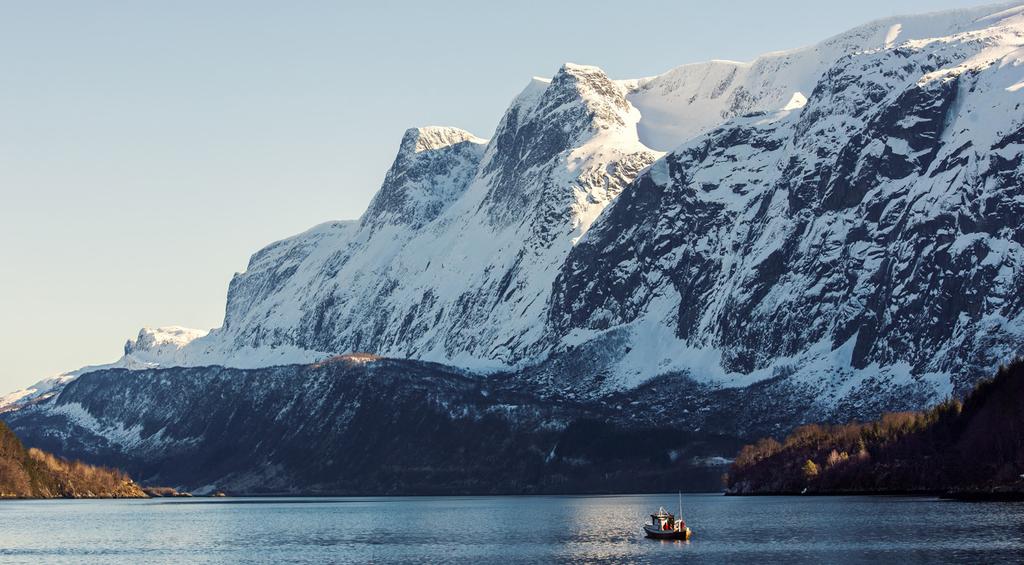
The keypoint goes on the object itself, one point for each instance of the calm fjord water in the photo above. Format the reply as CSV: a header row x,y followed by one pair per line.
x,y
528,529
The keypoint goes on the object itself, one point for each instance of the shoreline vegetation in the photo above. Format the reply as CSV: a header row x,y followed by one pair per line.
x,y
27,473
965,450
31,473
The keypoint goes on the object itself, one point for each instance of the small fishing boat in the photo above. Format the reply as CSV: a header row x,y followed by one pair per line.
x,y
665,525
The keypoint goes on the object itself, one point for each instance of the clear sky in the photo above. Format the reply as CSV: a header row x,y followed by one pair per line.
x,y
148,148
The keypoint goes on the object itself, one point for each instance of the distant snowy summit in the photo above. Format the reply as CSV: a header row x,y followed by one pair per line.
x,y
160,346
153,347
843,218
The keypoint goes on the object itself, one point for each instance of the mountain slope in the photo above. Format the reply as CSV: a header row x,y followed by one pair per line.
x,y
835,232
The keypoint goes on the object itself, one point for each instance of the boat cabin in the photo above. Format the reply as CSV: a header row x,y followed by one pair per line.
x,y
663,520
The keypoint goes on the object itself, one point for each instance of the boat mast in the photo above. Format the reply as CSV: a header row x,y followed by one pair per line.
x,y
680,505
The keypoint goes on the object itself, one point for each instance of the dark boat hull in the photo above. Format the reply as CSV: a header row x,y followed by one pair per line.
x,y
655,533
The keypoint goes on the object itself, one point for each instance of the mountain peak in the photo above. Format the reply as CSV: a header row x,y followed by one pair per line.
x,y
603,97
429,138
433,167
162,340
577,69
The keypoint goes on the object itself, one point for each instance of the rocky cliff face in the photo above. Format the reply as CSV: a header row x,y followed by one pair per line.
x,y
876,232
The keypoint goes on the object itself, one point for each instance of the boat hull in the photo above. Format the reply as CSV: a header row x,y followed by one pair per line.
x,y
655,533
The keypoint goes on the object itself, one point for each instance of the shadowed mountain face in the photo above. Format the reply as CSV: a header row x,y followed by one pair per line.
x,y
363,427
360,424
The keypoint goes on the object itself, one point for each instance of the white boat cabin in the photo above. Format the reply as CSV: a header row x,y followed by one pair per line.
x,y
663,520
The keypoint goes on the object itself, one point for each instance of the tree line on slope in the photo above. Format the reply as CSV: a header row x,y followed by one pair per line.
x,y
962,447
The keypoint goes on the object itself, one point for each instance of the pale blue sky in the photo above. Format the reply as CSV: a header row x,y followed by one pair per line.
x,y
147,148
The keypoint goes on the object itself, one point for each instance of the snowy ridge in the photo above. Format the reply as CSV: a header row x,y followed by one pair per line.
x,y
40,390
692,99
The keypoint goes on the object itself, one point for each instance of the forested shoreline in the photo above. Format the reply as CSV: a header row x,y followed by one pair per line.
x,y
972,449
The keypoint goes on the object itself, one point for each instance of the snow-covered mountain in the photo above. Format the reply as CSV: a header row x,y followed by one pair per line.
x,y
845,217
846,211
724,251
